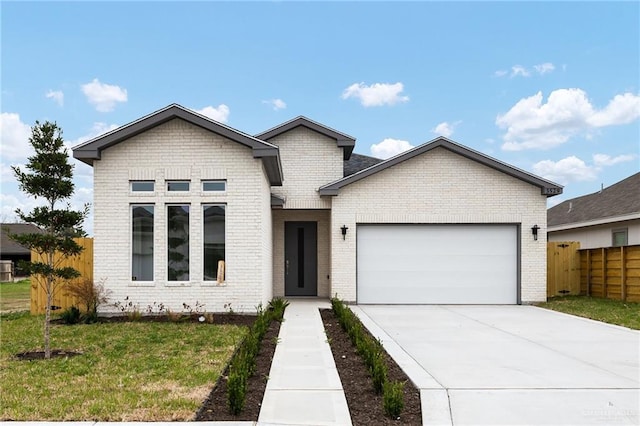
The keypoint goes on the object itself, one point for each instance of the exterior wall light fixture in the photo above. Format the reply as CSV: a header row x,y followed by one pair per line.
x,y
344,232
534,231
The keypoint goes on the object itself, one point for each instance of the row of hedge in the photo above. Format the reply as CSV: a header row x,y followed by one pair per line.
x,y
244,362
373,355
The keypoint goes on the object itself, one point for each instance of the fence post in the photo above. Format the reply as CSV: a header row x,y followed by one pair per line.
x,y
623,279
588,272
604,272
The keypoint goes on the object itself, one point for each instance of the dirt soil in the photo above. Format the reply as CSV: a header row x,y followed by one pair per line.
x,y
364,404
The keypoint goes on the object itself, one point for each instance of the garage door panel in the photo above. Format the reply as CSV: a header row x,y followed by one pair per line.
x,y
464,264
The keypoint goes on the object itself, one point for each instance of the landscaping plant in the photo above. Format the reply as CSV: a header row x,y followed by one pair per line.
x,y
49,177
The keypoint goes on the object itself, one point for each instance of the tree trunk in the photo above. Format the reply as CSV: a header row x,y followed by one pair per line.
x,y
47,319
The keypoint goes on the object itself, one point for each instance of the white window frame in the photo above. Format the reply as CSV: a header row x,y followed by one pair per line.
x,y
140,283
168,182
203,206
132,182
619,231
190,262
214,191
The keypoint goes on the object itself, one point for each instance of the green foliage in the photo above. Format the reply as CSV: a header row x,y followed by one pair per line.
x,y
71,315
49,176
626,314
277,307
244,362
392,399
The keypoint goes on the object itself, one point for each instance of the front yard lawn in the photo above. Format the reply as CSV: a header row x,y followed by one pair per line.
x,y
129,371
626,314
15,296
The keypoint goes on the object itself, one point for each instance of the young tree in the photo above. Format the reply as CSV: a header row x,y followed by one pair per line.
x,y
49,177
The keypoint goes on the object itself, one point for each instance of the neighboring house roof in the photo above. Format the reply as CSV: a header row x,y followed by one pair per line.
x,y
343,140
358,162
7,245
91,150
620,201
547,188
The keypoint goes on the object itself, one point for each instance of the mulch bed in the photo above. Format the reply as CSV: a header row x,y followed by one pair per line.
x,y
215,407
364,404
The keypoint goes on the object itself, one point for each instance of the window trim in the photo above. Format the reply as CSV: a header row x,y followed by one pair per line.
x,y
619,230
183,191
215,191
136,282
215,282
190,260
132,182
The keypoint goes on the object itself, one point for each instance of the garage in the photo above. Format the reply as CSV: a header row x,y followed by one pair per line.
x,y
437,264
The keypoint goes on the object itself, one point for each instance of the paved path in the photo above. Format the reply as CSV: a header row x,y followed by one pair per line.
x,y
304,387
512,364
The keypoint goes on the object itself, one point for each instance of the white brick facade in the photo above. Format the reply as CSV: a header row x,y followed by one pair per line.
x,y
435,187
179,150
439,187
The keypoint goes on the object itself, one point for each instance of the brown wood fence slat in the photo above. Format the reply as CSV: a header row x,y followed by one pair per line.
x,y
83,263
612,272
563,268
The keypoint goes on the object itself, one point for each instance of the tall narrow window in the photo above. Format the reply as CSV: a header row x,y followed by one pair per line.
x,y
142,243
178,243
214,239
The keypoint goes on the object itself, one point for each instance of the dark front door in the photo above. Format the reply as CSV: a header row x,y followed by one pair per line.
x,y
300,258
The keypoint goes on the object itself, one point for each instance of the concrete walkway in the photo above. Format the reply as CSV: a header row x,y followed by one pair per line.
x,y
304,387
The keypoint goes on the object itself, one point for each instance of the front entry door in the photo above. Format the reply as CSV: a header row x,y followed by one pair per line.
x,y
300,259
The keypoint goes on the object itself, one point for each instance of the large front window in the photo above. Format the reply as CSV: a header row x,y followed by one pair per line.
x,y
142,243
178,243
214,239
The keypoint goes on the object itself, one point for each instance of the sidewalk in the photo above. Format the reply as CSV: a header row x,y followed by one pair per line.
x,y
304,387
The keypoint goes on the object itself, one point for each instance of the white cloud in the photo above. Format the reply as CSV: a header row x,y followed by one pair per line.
x,y
519,70
220,114
445,129
15,137
544,68
104,96
389,147
377,94
600,160
570,169
56,95
532,124
276,104
622,109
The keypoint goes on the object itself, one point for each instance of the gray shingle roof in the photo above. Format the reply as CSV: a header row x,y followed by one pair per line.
x,y
619,199
7,245
358,162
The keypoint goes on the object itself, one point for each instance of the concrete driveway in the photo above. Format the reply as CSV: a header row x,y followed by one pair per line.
x,y
512,364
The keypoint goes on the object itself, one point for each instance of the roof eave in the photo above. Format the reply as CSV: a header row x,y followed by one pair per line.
x,y
593,222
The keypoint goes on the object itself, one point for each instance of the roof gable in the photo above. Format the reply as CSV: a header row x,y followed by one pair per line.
x,y
91,150
547,188
620,199
343,140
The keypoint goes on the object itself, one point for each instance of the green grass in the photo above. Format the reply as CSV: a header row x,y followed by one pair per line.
x,y
15,296
128,371
626,314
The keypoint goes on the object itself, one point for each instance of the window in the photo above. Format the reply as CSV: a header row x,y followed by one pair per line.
x,y
214,239
214,185
619,237
142,243
142,185
178,243
178,185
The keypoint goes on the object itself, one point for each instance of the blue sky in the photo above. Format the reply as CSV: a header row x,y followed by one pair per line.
x,y
552,88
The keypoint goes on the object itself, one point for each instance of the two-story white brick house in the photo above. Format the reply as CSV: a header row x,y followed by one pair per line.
x,y
187,209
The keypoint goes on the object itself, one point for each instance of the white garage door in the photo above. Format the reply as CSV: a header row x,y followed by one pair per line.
x,y
439,264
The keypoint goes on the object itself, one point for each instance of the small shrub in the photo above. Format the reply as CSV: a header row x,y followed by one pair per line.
x,y
90,296
393,399
277,307
378,373
71,315
236,390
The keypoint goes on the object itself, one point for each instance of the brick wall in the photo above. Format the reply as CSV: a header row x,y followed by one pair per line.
x,y
179,150
439,187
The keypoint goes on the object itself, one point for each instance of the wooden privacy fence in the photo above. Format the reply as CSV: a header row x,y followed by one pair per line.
x,y
612,272
82,263
563,268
